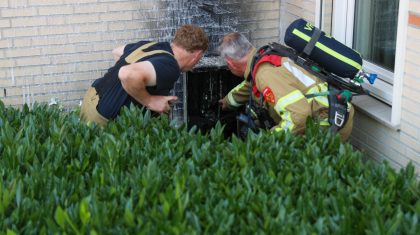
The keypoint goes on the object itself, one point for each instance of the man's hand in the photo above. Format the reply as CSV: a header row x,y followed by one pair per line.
x,y
160,103
223,104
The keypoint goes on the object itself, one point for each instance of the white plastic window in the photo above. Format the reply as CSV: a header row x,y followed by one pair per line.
x,y
376,29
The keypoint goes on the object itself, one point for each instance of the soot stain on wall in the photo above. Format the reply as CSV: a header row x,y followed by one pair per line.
x,y
216,17
199,91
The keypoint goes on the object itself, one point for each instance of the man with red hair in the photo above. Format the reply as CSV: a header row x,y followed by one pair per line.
x,y
143,75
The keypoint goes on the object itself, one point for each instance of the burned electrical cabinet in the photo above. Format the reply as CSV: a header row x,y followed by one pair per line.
x,y
202,88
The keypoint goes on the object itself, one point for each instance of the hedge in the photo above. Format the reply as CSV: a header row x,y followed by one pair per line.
x,y
141,175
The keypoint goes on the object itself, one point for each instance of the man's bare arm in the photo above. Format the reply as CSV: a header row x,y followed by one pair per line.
x,y
135,78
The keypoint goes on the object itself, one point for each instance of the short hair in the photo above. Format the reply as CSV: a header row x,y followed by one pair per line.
x,y
235,46
191,38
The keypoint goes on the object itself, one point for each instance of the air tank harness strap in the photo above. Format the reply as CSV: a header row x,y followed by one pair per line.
x,y
311,44
338,108
263,55
256,116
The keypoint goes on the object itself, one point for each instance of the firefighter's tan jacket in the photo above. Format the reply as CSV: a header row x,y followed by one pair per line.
x,y
283,90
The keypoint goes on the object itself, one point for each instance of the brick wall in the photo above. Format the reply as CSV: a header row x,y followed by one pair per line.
x,y
410,123
56,48
291,10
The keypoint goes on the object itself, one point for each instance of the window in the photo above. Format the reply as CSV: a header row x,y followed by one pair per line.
x,y
377,30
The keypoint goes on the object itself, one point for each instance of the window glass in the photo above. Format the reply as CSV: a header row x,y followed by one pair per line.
x,y
375,31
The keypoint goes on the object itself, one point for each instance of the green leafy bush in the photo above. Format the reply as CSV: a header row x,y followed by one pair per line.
x,y
141,175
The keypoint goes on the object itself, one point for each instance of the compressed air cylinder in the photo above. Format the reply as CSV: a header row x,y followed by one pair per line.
x,y
328,53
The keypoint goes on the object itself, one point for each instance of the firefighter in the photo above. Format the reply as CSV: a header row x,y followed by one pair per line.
x,y
280,88
143,75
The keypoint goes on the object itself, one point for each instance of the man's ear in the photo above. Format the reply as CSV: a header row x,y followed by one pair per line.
x,y
230,62
198,54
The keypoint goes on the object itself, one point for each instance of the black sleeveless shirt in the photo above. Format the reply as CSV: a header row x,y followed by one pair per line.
x,y
112,96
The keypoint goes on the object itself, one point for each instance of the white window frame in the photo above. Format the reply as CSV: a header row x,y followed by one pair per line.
x,y
388,86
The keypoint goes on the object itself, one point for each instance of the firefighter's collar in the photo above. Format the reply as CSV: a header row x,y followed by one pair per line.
x,y
248,65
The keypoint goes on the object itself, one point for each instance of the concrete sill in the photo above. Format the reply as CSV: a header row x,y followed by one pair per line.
x,y
375,109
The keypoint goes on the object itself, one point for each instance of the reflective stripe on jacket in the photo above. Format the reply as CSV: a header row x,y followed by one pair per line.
x,y
289,84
